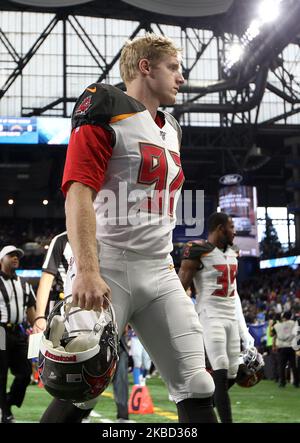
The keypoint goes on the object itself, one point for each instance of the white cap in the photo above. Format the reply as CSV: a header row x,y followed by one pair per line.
x,y
10,248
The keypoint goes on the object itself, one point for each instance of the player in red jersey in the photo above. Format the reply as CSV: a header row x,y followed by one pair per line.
x,y
122,180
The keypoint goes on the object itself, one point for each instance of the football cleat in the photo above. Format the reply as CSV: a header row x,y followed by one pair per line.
x,y
78,364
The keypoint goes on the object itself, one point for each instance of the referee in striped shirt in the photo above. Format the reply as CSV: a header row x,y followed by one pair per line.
x,y
17,301
54,269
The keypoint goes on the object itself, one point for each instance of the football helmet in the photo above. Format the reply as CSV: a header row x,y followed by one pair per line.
x,y
78,364
250,370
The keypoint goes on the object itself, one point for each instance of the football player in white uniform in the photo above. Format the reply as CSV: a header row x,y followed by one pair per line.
x,y
122,180
141,359
212,266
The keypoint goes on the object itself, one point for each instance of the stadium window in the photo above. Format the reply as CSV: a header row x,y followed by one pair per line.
x,y
283,222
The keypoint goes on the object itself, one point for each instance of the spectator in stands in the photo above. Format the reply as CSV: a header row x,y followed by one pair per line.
x,y
260,316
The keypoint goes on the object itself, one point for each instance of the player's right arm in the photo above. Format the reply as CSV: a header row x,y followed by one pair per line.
x,y
88,287
191,261
89,150
187,272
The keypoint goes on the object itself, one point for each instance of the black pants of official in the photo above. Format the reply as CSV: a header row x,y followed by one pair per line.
x,y
274,364
287,355
121,386
14,357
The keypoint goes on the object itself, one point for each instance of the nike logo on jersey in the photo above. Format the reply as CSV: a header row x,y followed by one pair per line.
x,y
92,89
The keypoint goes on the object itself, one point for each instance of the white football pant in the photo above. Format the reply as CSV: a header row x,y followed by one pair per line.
x,y
222,343
147,293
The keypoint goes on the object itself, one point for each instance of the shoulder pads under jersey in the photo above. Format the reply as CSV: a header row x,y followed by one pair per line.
x,y
196,249
101,104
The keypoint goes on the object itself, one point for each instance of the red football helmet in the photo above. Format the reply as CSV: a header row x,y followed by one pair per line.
x,y
251,368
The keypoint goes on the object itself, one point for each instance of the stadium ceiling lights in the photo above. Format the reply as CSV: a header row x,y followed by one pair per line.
x,y
267,12
235,53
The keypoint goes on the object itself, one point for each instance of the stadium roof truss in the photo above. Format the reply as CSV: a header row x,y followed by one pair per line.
x,y
48,56
230,94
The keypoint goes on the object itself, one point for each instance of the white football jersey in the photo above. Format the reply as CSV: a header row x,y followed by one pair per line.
x,y
135,208
215,282
141,161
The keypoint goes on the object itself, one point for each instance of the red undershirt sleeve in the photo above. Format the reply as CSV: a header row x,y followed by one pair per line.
x,y
89,150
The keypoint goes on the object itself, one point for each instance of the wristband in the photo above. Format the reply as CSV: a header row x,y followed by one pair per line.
x,y
37,318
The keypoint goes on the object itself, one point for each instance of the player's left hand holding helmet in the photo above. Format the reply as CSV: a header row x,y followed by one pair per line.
x,y
78,364
250,370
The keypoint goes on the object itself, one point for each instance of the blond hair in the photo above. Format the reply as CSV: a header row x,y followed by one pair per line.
x,y
150,46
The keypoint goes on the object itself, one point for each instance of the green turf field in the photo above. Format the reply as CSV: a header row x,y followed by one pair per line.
x,y
264,403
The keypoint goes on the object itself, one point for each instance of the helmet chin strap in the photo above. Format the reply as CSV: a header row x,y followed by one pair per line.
x,y
68,309
83,342
71,310
79,339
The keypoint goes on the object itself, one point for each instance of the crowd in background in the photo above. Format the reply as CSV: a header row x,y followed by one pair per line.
x,y
271,304
33,236
270,293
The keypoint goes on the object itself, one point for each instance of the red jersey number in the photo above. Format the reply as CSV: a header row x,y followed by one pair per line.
x,y
154,170
223,279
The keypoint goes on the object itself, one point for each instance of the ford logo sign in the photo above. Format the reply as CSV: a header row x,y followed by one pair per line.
x,y
230,179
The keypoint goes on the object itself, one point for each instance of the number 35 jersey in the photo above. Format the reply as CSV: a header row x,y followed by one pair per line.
x,y
132,163
215,282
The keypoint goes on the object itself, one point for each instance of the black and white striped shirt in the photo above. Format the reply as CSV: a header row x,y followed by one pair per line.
x,y
16,296
58,257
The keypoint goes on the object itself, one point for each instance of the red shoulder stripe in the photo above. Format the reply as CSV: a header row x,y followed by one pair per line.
x,y
89,150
